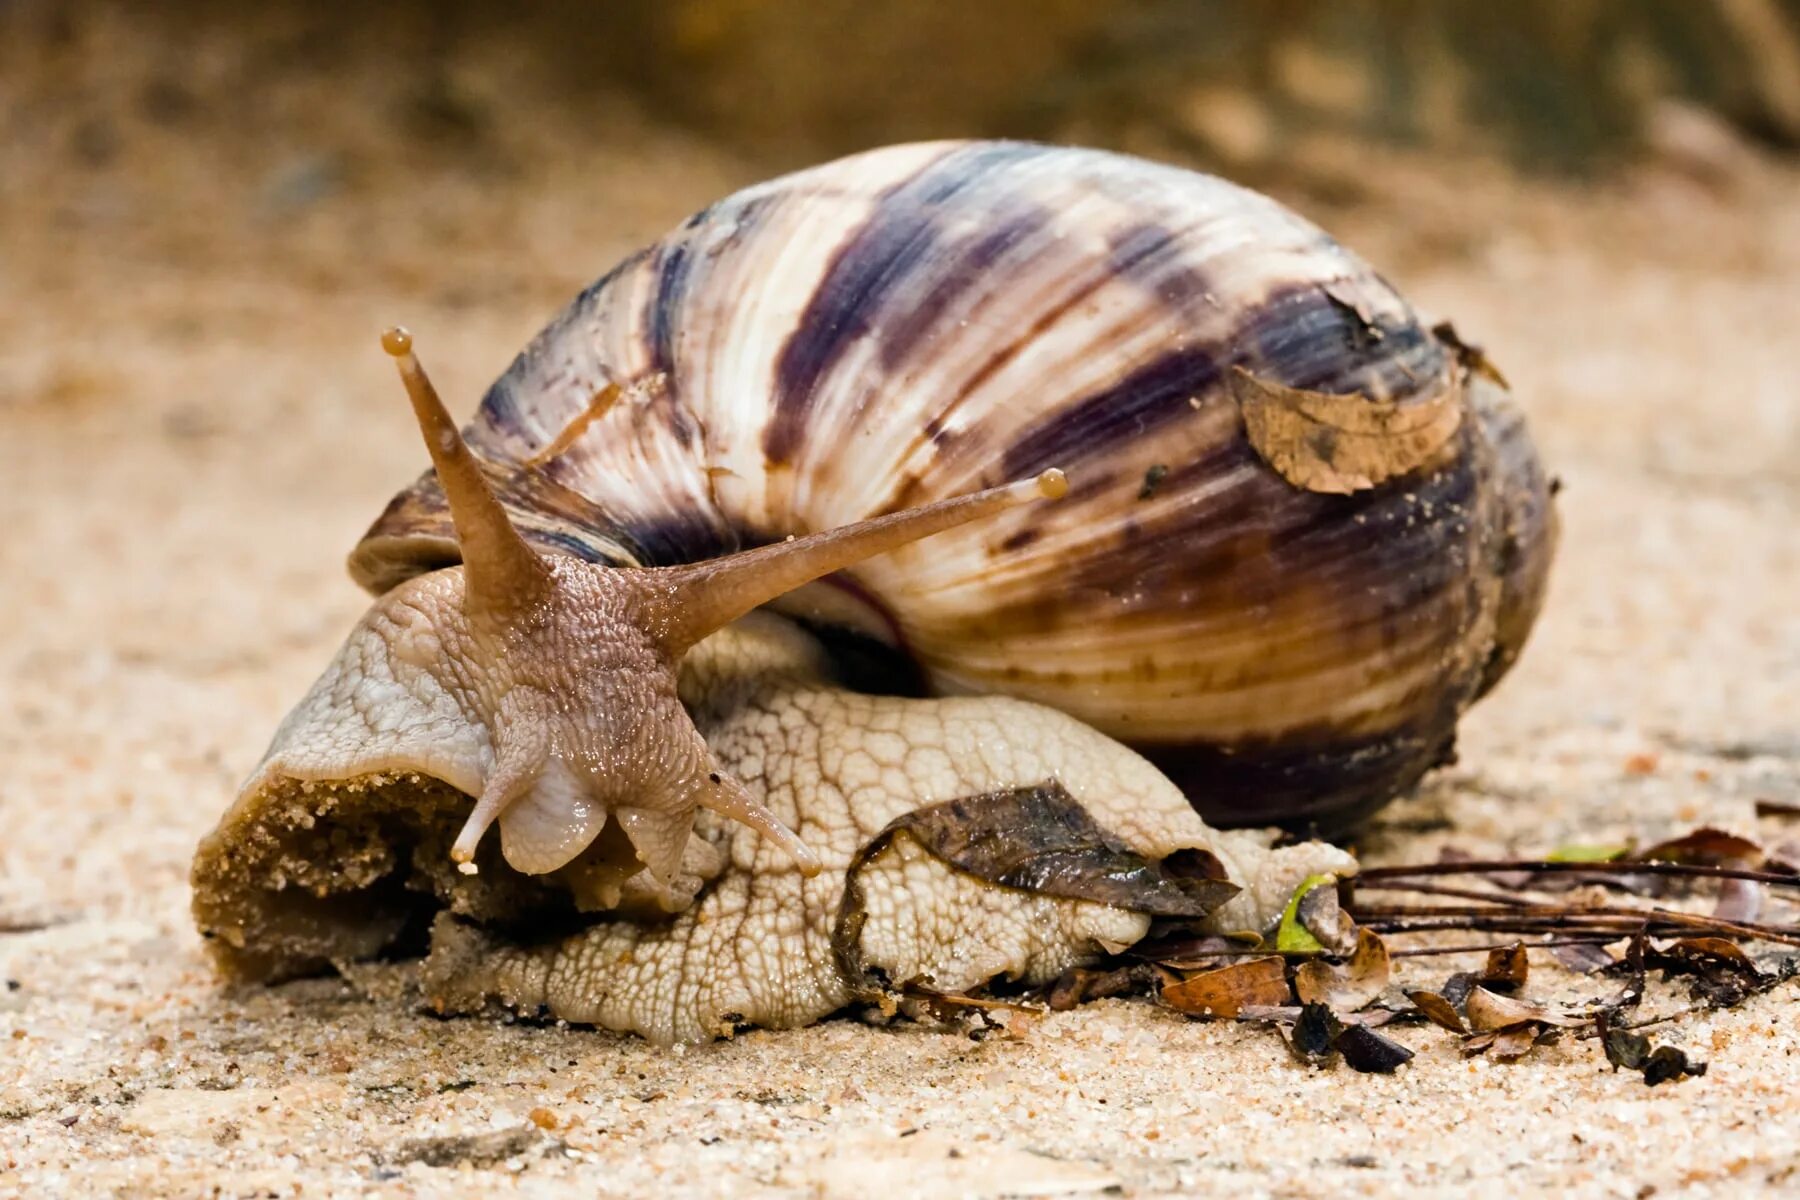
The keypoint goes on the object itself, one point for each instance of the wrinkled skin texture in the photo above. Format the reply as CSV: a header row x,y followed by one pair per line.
x,y
576,704
754,945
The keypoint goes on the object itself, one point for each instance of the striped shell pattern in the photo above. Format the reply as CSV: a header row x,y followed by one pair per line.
x,y
921,321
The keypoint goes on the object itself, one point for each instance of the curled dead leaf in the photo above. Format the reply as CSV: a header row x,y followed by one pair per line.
x,y
1438,1011
1354,984
1706,847
1036,839
1316,1028
1319,912
1292,936
1078,984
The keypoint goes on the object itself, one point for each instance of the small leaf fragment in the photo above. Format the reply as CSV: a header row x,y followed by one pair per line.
x,y
1291,937
1040,839
1579,852
1507,967
1625,1049
1633,1052
1319,914
1456,989
1316,1030
1226,991
1584,958
1515,1043
1478,1043
1078,984
1370,1052
1667,1063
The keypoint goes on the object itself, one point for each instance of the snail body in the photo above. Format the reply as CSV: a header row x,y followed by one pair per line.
x,y
1301,533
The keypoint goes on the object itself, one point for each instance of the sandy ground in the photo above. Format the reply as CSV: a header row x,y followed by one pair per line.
x,y
195,424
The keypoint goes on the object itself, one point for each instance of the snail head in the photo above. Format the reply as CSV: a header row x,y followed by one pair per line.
x,y
570,667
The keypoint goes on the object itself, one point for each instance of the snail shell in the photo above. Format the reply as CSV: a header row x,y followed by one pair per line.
x,y
1305,533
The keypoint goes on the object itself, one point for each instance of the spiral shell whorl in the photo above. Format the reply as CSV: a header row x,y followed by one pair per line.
x,y
921,321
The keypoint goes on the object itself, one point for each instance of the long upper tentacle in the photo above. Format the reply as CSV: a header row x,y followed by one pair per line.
x,y
504,574
704,597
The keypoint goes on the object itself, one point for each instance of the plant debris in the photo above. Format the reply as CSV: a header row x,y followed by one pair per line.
x,y
1507,968
1634,1052
1323,978
1319,1036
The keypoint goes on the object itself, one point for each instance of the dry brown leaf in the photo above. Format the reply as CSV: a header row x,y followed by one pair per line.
x,y
1226,991
1344,443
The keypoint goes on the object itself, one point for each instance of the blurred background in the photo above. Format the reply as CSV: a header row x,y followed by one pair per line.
x,y
518,132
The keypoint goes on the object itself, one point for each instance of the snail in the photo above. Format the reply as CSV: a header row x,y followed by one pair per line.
x,y
874,583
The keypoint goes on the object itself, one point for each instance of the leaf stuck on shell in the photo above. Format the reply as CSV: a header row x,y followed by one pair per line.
x,y
1343,443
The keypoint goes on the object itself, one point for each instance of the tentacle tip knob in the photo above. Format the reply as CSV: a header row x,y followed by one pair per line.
x,y
467,868
397,341
1053,484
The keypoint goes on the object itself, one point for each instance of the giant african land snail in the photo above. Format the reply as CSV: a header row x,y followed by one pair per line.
x,y
1302,534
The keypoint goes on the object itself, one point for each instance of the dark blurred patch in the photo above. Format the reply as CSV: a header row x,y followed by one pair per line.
x,y
1260,88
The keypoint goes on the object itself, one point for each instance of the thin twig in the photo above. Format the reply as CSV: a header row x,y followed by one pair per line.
x,y
1686,870
1769,933
1438,889
1480,947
